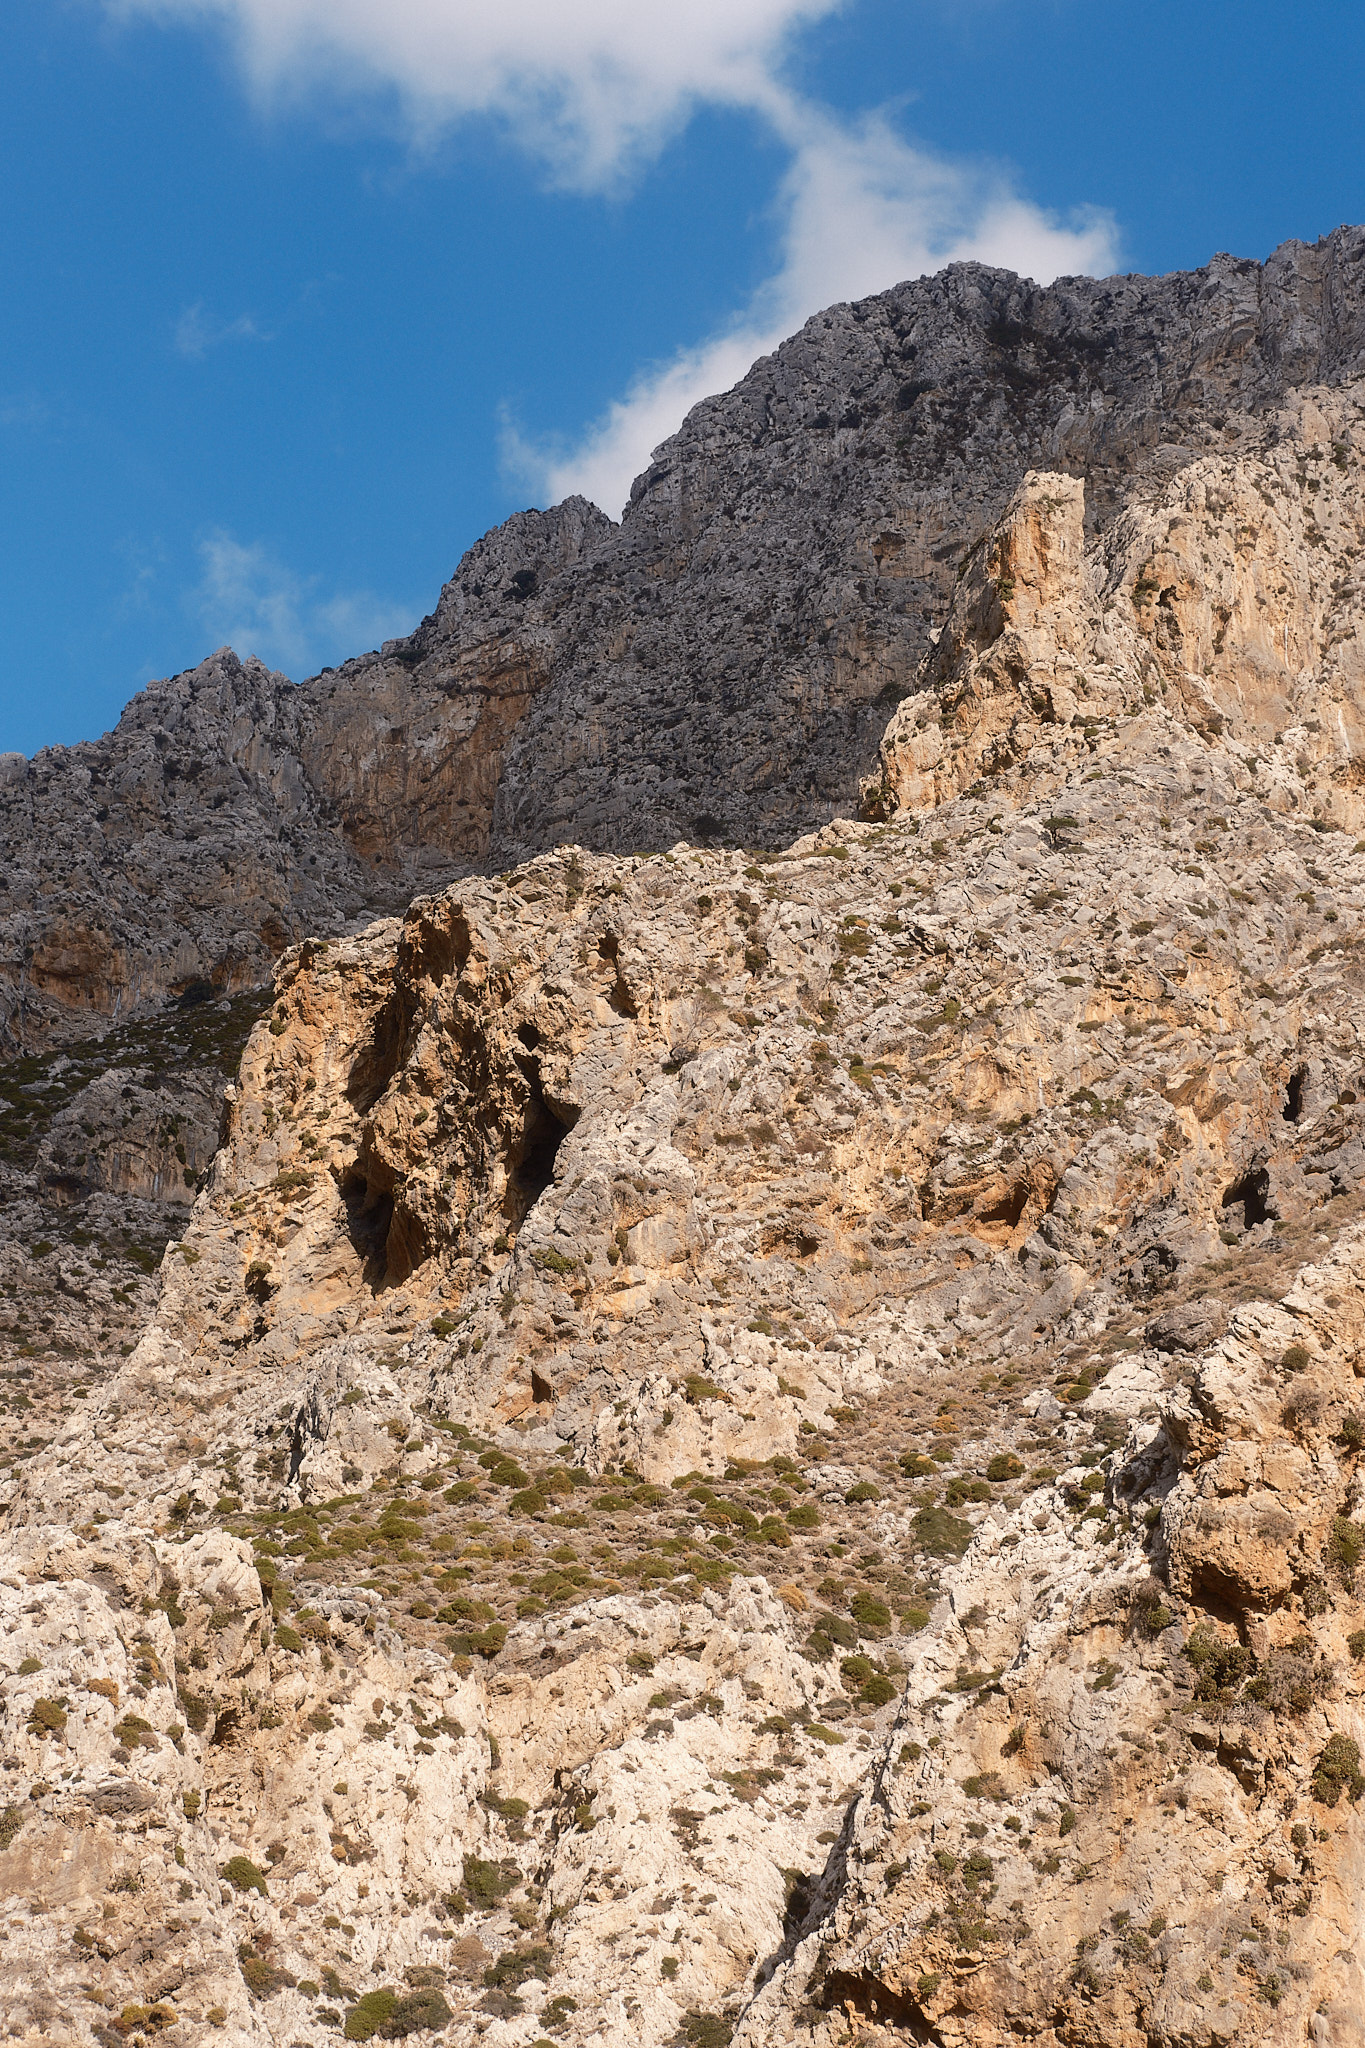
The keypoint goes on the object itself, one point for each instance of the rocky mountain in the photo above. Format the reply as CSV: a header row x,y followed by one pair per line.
x,y
754,1445
718,667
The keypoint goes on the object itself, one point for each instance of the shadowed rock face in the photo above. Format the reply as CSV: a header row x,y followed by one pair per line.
x,y
720,666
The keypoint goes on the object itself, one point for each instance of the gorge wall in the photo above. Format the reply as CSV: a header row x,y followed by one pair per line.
x,y
754,1445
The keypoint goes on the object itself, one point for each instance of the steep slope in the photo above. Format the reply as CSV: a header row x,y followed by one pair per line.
x,y
767,1447
719,667
229,813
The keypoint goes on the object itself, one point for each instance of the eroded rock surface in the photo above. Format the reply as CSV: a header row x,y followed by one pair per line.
x,y
721,665
765,1446
746,1438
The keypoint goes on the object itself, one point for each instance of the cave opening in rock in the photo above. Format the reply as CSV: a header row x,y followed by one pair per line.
x,y
1293,1095
533,1166
1250,1194
1009,1207
369,1217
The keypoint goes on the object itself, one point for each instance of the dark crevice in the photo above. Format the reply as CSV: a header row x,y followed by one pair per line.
x,y
531,1160
377,1063
534,1169
1010,1208
369,1217
1250,1194
1293,1095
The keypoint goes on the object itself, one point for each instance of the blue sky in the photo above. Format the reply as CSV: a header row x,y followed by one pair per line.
x,y
297,297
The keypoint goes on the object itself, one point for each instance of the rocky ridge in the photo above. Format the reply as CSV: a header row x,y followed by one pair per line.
x,y
718,667
766,1447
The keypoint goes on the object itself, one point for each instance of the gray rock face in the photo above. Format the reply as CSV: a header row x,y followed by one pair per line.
x,y
735,651
720,666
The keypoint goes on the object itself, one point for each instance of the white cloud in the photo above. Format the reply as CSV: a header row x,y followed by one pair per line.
x,y
862,210
197,331
594,87
250,601
587,87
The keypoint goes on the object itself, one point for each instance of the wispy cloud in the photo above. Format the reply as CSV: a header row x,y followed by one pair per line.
x,y
196,331
861,209
251,601
588,88
593,90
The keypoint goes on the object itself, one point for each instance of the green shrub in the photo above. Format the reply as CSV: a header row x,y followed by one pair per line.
x,y
135,1733
262,1977
1337,1770
1295,1358
515,1965
1066,1820
1346,1543
241,1873
364,2020
837,1630
805,1515
47,1718
412,2013
872,1615
464,1609
864,1490
507,1473
11,1820
878,1691
916,1466
1004,1466
489,1883
960,1490
706,2030
554,1262
1355,1643
941,1534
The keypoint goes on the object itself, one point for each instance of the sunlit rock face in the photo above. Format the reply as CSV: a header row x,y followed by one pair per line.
x,y
756,1445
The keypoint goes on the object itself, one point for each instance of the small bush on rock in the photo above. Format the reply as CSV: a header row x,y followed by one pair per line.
x,y
1337,1770
1347,1542
241,1873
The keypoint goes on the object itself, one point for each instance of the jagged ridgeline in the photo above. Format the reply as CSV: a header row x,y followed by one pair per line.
x,y
751,1429
719,667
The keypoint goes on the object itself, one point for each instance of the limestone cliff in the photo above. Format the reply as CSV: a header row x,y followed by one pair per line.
x,y
754,1447
721,665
